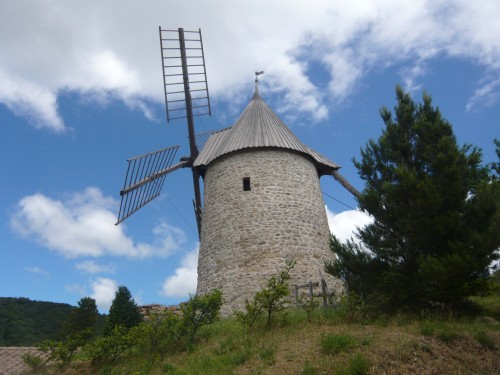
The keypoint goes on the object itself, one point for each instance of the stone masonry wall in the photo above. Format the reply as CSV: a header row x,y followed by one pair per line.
x,y
247,236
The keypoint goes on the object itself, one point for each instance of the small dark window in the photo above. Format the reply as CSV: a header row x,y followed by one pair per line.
x,y
246,184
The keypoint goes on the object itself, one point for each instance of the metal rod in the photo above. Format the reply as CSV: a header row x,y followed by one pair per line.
x,y
205,70
154,152
163,74
154,176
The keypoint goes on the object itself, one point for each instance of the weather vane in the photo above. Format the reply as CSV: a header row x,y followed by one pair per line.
x,y
257,74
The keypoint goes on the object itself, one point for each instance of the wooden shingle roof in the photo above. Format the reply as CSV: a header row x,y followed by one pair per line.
x,y
258,127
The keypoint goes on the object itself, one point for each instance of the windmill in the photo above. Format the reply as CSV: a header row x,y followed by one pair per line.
x,y
262,198
186,96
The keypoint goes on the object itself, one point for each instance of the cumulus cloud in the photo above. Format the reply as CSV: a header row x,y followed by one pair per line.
x,y
343,225
82,224
183,281
91,48
103,291
92,267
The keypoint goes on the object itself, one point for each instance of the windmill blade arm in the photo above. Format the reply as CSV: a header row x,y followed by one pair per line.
x,y
182,164
145,177
336,175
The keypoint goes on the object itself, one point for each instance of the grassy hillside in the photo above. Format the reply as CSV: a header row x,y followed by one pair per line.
x,y
334,342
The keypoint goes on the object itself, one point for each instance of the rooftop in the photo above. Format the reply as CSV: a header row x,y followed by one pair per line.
x,y
258,127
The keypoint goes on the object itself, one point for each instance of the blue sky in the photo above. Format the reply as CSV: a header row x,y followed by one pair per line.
x,y
81,91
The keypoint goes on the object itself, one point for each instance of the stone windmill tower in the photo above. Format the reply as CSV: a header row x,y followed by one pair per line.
x,y
262,205
262,199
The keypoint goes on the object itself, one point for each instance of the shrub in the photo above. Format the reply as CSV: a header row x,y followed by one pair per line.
x,y
170,332
34,362
448,335
334,344
309,304
352,308
485,340
267,354
62,352
271,299
358,365
253,311
110,348
199,311
161,334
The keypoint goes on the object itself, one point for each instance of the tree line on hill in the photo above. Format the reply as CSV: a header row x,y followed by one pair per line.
x,y
24,322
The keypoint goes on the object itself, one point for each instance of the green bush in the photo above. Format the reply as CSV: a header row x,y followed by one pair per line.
x,y
34,362
448,334
358,365
161,334
200,311
271,299
334,344
484,339
170,332
309,304
427,328
110,348
267,354
351,308
62,352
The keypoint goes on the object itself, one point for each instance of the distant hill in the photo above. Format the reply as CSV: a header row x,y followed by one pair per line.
x,y
24,322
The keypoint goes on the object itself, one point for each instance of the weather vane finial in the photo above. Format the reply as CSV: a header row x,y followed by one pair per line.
x,y
257,74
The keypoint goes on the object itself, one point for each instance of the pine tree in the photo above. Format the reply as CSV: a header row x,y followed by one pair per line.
x,y
436,211
83,319
123,311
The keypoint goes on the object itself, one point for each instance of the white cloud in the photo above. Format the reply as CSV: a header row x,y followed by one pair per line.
x,y
103,291
343,225
92,267
485,95
185,277
82,224
92,49
37,270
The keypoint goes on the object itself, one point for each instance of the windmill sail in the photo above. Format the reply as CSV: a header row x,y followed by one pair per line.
x,y
186,90
183,59
186,96
144,179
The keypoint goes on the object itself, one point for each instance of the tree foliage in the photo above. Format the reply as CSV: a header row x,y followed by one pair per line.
x,y
24,322
436,211
200,310
270,299
83,319
123,311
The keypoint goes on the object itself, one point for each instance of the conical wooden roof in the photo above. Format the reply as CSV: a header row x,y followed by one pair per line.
x,y
258,127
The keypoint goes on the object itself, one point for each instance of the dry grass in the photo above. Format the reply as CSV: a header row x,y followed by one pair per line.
x,y
389,350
